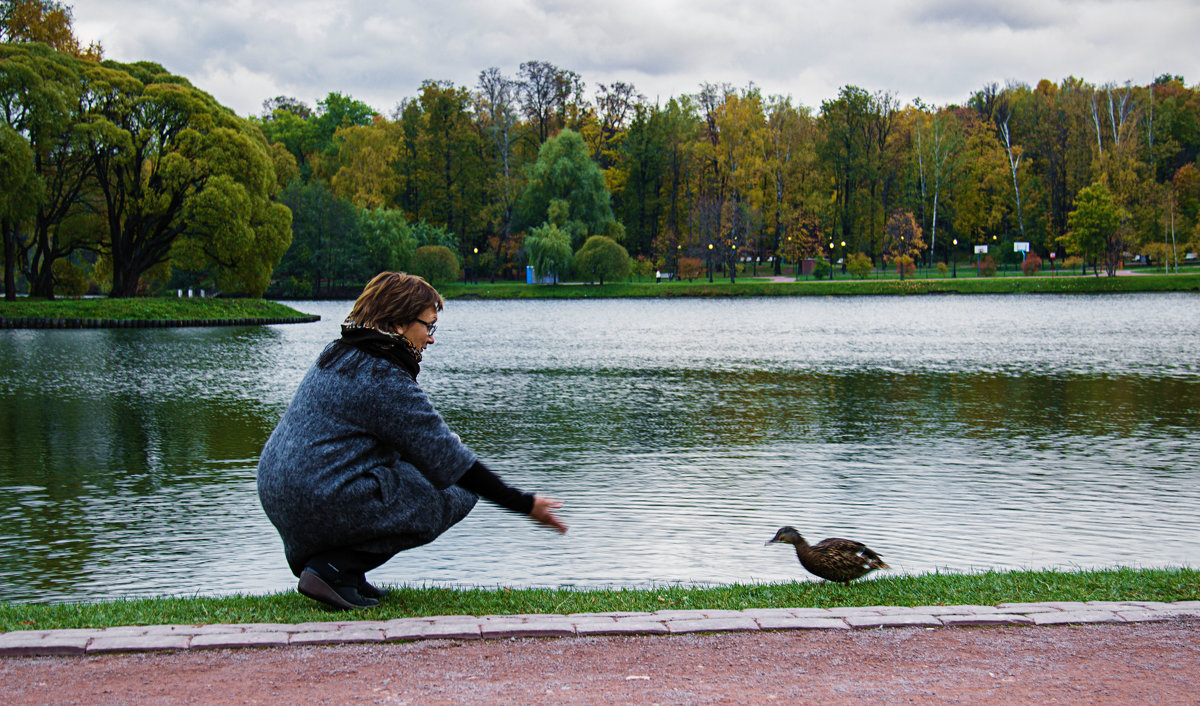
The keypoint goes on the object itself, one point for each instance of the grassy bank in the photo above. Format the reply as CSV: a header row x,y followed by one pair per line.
x,y
194,308
838,287
989,588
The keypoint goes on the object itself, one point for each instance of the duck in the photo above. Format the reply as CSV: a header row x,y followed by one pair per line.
x,y
834,559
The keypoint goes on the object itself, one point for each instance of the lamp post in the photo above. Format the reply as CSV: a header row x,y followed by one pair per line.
x,y
954,258
475,267
710,265
843,257
831,261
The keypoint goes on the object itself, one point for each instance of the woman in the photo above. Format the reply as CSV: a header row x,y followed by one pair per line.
x,y
361,466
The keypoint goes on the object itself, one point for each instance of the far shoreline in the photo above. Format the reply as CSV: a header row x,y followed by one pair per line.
x,y
169,312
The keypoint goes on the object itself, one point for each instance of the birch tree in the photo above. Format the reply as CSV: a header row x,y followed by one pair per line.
x,y
1014,163
937,141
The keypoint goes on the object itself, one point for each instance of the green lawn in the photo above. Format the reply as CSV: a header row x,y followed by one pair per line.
x,y
140,308
752,287
990,588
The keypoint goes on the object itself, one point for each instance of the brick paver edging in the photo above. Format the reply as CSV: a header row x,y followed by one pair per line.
x,y
43,323
465,627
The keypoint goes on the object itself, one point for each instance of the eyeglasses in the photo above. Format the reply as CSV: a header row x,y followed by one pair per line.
x,y
428,326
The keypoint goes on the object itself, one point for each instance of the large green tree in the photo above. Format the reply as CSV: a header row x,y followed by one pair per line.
x,y
310,134
20,194
326,240
450,176
40,99
175,170
791,177
388,239
1096,227
565,171
846,156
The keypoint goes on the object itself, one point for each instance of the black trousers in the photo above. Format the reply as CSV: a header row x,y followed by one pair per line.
x,y
345,566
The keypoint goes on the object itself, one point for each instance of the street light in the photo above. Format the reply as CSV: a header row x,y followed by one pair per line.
x,y
954,258
843,257
831,261
710,265
475,268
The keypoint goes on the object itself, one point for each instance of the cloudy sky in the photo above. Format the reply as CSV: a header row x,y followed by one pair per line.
x,y
244,51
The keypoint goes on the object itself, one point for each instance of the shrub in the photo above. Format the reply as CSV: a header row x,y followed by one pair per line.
x,y
859,266
943,268
1032,264
690,268
905,266
602,257
643,267
987,267
821,269
436,263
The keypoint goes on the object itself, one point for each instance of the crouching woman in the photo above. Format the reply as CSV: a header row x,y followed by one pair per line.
x,y
361,466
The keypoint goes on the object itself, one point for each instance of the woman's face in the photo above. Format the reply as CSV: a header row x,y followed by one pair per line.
x,y
420,332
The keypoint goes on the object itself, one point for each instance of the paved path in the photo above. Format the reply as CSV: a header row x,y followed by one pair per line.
x,y
198,637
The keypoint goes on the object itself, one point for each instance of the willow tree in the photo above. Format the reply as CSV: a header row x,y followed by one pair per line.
x,y
565,171
40,102
179,174
20,193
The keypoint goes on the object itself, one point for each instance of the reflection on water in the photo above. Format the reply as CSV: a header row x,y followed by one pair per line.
x,y
949,433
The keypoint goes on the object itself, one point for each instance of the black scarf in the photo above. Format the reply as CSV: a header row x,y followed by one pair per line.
x,y
392,347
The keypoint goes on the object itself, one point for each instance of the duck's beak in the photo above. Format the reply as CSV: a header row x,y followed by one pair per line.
x,y
770,541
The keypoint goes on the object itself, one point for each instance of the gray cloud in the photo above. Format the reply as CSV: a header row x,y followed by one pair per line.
x,y
1016,15
244,51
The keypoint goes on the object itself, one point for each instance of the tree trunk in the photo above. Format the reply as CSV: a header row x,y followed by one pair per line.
x,y
1014,162
8,232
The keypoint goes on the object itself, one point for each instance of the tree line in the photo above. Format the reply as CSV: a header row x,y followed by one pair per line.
x,y
728,175
125,174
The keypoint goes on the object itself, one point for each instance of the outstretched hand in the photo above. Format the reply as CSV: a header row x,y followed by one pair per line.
x,y
543,513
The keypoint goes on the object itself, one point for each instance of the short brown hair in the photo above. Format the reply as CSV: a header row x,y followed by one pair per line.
x,y
391,299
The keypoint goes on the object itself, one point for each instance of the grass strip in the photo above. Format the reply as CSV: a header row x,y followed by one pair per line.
x,y
985,588
837,287
194,308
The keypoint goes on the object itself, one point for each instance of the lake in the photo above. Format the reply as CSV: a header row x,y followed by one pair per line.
x,y
949,433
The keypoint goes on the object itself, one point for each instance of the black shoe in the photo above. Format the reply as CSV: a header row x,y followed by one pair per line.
x,y
366,590
332,595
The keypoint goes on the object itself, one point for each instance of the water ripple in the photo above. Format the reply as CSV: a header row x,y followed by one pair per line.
x,y
949,433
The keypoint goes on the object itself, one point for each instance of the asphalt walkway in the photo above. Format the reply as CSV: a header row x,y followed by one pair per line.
x,y
150,638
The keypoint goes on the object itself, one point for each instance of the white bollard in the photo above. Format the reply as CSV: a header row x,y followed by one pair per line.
x,y
189,292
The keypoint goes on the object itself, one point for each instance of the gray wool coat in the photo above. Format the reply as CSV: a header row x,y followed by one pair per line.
x,y
361,460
